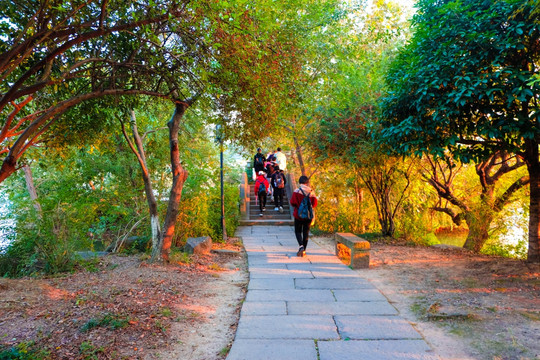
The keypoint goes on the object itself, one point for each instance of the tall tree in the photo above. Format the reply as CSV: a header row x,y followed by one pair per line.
x,y
468,83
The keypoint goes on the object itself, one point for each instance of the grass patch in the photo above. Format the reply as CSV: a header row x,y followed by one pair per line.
x,y
110,321
89,351
26,350
180,257
166,312
225,351
215,267
534,316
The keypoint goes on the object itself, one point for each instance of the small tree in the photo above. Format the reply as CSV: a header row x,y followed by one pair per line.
x,y
477,209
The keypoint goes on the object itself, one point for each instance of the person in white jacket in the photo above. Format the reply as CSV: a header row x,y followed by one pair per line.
x,y
281,159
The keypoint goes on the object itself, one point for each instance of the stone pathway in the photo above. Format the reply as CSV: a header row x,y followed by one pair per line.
x,y
314,307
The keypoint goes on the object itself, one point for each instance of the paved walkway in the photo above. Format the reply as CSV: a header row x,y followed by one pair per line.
x,y
314,307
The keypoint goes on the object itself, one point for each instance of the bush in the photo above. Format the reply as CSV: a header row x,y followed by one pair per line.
x,y
43,246
498,248
429,240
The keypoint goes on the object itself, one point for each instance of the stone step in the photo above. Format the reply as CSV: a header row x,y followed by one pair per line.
x,y
266,222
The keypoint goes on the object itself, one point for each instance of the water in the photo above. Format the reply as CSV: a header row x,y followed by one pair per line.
x,y
6,225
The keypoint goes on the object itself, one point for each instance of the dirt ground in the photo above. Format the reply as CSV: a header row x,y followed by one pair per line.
x,y
466,306
127,309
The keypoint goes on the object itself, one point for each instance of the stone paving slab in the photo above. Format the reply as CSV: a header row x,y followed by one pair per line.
x,y
323,272
333,283
307,327
340,308
279,274
268,266
249,349
319,266
375,327
293,301
264,308
359,295
289,295
271,284
376,350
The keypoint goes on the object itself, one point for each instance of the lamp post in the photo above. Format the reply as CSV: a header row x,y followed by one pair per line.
x,y
219,138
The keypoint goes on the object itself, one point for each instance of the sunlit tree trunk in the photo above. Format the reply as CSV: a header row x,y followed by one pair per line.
x,y
138,150
478,224
161,252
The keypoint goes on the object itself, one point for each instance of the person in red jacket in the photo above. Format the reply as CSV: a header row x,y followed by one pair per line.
x,y
301,226
261,188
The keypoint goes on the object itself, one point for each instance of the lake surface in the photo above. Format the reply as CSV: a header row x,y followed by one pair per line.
x,y
6,225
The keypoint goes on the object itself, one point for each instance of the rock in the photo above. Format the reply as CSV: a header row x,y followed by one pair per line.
x,y
199,245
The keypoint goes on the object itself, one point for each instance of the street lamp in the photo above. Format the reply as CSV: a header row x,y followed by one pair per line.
x,y
219,138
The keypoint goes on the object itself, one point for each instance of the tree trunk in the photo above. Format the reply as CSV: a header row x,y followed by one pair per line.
x,y
478,224
533,165
299,156
359,192
150,198
32,189
179,177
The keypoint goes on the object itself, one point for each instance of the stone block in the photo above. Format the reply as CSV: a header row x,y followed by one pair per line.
x,y
199,245
351,249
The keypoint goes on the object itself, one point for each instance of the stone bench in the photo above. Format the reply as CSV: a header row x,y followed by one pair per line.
x,y
352,250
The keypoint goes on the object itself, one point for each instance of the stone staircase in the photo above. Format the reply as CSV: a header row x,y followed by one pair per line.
x,y
270,216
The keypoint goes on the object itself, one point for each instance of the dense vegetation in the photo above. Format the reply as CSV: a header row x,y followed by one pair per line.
x,y
108,111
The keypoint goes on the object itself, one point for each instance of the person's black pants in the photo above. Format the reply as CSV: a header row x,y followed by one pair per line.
x,y
262,200
278,196
301,230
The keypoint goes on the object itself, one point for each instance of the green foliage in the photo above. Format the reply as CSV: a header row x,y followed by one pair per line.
x,y
499,248
89,351
429,240
42,246
466,82
111,321
24,351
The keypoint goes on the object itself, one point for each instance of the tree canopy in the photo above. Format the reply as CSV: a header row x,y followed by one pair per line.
x,y
468,83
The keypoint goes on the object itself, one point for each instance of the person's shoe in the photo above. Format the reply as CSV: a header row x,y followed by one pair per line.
x,y
264,209
303,253
300,252
276,209
261,214
281,209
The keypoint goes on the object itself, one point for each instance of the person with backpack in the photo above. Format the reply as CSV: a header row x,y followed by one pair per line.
x,y
278,185
303,201
261,188
258,161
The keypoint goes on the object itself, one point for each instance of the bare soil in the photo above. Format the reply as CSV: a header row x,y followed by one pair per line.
x,y
467,306
128,309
